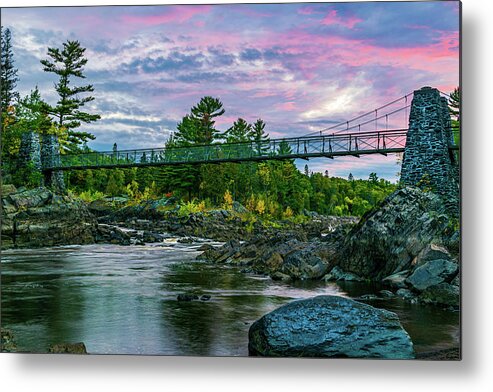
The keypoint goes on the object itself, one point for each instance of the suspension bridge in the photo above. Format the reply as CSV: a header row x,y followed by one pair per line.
x,y
368,133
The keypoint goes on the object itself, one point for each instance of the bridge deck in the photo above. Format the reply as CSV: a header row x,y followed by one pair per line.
x,y
329,146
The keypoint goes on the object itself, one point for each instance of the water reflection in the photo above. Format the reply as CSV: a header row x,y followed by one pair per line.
x,y
123,300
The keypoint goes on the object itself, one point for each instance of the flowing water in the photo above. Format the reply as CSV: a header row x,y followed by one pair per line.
x,y
122,300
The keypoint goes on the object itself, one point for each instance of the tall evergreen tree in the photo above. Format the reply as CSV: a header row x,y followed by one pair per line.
x,y
454,107
8,73
68,63
198,126
454,103
239,132
260,137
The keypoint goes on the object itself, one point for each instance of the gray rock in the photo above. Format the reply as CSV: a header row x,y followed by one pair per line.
x,y
388,238
68,348
304,264
456,280
187,297
443,294
397,281
405,293
336,274
431,273
330,326
239,208
432,252
38,217
386,294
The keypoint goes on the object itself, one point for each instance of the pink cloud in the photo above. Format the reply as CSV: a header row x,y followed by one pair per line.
x,y
287,106
333,18
175,14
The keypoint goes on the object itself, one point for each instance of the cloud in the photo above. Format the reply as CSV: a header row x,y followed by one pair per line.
x,y
166,15
300,67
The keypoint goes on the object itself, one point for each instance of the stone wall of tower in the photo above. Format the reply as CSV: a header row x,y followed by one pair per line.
x,y
428,162
29,160
50,156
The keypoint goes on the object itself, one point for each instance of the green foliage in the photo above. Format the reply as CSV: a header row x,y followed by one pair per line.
x,y
239,132
68,63
270,190
191,207
8,72
198,126
27,176
90,195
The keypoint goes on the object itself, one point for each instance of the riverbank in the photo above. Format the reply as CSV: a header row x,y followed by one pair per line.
x,y
407,244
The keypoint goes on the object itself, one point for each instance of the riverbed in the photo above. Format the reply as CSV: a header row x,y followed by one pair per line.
x,y
123,300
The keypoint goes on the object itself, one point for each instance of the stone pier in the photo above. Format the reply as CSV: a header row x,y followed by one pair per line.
x,y
428,162
29,161
50,156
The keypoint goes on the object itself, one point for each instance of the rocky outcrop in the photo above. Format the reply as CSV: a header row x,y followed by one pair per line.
x,y
68,348
222,225
38,217
283,256
330,326
7,341
388,239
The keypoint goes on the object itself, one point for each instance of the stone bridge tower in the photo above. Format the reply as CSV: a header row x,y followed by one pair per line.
x,y
34,154
428,162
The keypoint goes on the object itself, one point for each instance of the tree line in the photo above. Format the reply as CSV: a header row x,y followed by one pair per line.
x,y
274,188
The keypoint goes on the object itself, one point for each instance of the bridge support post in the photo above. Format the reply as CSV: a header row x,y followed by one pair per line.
x,y
427,161
29,161
50,156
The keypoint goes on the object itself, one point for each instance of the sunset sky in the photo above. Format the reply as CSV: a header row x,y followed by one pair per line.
x,y
300,67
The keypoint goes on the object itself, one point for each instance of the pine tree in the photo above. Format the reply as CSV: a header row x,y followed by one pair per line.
x,y
454,103
198,126
454,107
260,138
69,63
8,73
239,132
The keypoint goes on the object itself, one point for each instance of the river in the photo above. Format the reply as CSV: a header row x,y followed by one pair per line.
x,y
122,300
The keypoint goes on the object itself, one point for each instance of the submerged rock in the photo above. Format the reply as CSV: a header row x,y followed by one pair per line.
x,y
336,274
330,326
187,297
397,281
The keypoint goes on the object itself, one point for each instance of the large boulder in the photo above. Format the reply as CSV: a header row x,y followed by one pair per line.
x,y
330,326
303,264
388,238
431,273
443,294
38,217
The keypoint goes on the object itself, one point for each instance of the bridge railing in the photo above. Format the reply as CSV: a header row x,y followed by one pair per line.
x,y
331,145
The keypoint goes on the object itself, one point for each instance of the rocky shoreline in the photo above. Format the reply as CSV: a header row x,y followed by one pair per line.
x,y
407,243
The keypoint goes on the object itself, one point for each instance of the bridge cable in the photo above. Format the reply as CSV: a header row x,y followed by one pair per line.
x,y
359,117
